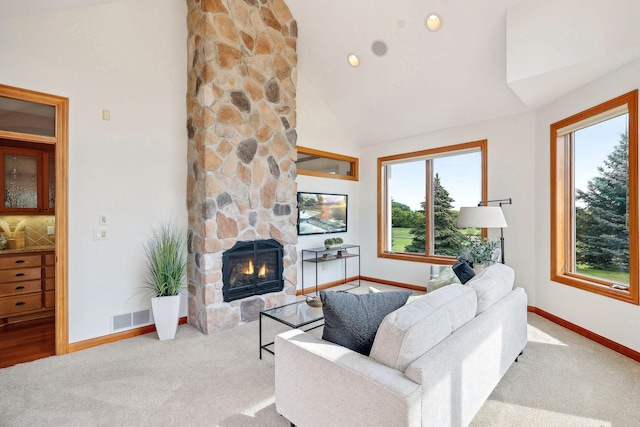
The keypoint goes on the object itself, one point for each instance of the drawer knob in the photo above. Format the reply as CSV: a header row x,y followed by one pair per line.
x,y
19,274
19,288
20,261
19,303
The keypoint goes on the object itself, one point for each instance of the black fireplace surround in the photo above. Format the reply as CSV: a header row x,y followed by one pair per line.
x,y
252,268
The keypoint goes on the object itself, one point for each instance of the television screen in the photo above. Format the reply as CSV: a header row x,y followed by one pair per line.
x,y
321,213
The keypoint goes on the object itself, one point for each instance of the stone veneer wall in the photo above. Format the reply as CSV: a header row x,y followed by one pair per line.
x,y
241,99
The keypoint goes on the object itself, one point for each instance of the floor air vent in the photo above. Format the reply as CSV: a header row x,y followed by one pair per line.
x,y
130,320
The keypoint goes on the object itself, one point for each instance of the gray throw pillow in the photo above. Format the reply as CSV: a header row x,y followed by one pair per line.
x,y
352,320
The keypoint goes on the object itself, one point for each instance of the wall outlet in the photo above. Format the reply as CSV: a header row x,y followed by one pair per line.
x,y
103,219
50,230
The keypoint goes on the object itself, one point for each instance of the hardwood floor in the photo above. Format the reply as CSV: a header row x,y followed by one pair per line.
x,y
27,341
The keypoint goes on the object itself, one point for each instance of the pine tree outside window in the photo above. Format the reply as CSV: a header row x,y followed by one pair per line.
x,y
419,198
594,199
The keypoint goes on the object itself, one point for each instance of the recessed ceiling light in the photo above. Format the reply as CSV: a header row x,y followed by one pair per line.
x,y
433,22
379,48
401,23
353,60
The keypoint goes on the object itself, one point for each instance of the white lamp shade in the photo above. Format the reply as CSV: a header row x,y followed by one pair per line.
x,y
481,217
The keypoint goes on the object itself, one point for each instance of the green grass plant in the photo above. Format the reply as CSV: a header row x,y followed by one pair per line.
x,y
614,276
401,238
166,262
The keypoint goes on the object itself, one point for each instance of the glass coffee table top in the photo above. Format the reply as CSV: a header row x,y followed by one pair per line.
x,y
295,315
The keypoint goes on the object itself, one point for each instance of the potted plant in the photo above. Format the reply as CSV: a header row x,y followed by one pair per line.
x,y
334,242
479,252
165,276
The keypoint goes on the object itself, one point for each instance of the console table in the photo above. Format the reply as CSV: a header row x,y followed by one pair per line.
x,y
321,255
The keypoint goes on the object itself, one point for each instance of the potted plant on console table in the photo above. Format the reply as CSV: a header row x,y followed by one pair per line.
x,y
334,242
166,271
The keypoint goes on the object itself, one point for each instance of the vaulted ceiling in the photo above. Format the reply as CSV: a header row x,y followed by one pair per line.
x,y
489,59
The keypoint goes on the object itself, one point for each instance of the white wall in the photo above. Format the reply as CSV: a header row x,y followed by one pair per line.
x,y
604,316
317,127
128,57
511,174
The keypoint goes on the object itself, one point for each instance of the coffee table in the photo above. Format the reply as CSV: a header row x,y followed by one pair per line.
x,y
295,315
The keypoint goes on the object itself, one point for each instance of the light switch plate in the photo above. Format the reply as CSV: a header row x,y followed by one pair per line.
x,y
50,230
99,234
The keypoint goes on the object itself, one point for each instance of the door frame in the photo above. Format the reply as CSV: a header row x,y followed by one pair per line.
x,y
61,142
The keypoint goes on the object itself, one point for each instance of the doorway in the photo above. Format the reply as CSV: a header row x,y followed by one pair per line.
x,y
33,215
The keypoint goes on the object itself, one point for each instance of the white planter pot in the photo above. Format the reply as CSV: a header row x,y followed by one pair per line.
x,y
166,312
333,246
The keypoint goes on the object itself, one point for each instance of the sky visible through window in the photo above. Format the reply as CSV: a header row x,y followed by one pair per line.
x,y
459,174
592,146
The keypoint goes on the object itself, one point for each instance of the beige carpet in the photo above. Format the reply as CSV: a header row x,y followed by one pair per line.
x,y
196,380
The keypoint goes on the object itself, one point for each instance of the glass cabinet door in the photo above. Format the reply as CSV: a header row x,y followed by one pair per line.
x,y
50,182
21,180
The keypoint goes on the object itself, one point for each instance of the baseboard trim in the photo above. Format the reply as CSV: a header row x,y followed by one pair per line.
x,y
619,348
93,342
392,283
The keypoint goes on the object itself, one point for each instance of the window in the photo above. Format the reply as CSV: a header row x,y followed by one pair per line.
x,y
327,165
419,197
594,199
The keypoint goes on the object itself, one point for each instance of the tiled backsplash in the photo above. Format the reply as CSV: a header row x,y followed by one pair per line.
x,y
33,228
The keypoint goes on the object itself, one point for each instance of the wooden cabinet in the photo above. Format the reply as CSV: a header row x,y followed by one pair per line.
x,y
27,284
27,181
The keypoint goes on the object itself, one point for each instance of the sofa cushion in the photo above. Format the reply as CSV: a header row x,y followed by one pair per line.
x,y
352,320
409,332
491,284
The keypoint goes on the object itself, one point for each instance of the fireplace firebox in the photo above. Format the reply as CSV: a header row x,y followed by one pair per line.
x,y
252,268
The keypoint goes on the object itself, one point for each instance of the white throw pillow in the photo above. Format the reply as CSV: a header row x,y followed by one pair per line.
x,y
446,277
491,285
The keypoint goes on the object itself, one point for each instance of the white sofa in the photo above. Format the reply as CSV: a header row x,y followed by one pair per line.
x,y
434,362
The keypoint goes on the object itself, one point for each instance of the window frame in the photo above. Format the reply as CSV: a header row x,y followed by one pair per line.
x,y
481,145
562,202
331,156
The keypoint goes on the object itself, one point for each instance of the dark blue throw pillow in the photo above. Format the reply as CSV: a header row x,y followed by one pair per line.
x,y
352,320
463,270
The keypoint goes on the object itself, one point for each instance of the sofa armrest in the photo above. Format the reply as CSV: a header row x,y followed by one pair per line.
x,y
319,383
459,374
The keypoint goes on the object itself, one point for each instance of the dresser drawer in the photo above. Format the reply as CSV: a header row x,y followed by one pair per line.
x,y
20,261
50,259
19,288
20,274
20,304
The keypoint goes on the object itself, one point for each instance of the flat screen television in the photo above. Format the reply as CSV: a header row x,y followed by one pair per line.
x,y
321,213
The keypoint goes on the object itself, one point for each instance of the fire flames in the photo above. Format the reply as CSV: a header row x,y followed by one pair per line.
x,y
262,272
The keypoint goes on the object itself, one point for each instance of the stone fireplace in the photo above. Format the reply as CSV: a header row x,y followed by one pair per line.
x,y
241,100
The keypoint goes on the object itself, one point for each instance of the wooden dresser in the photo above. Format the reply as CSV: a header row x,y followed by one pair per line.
x,y
27,285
